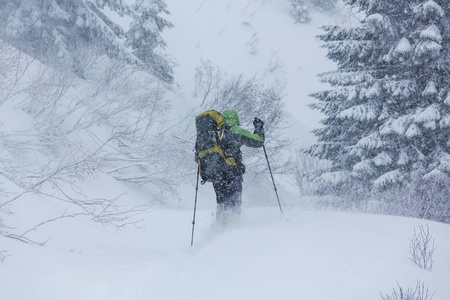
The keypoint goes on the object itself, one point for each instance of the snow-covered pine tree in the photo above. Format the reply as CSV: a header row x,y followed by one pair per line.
x,y
62,33
324,5
55,32
388,116
300,10
144,36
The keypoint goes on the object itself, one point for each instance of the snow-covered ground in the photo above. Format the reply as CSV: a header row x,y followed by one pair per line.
x,y
298,255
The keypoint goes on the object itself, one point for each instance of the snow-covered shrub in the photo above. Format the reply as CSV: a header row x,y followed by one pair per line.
x,y
422,247
414,196
417,197
419,293
302,166
78,128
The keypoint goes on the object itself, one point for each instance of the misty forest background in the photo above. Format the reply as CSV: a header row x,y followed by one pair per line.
x,y
87,90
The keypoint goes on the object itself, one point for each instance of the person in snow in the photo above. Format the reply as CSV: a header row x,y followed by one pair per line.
x,y
228,186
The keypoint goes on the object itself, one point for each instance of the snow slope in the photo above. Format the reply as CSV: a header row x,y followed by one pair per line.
x,y
254,38
300,255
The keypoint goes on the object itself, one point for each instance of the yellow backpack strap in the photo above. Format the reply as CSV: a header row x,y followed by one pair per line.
x,y
229,160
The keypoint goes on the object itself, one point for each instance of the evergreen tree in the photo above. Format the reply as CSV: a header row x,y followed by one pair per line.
x,y
61,33
324,5
300,9
388,116
144,36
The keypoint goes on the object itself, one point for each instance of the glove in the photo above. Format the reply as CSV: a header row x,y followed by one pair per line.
x,y
258,123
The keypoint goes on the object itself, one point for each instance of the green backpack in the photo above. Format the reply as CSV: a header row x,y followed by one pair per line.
x,y
212,160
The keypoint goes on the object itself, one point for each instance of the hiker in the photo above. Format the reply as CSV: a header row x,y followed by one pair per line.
x,y
228,185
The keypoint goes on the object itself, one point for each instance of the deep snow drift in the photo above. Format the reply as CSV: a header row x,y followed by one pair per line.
x,y
298,255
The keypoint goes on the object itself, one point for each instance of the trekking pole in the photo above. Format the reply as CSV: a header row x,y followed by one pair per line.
x,y
195,207
273,181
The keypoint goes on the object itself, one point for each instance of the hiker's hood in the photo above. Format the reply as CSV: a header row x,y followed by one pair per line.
x,y
230,117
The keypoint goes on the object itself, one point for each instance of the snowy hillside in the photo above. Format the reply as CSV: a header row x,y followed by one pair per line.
x,y
300,255
252,38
